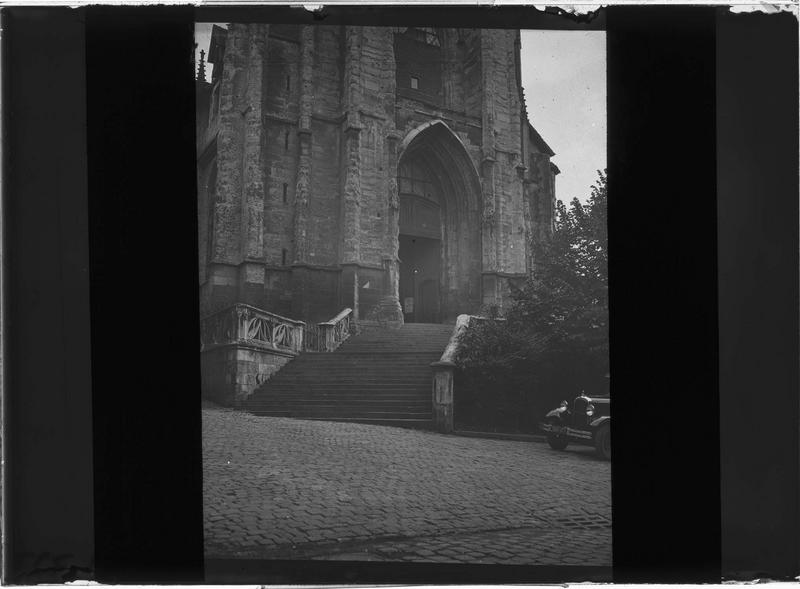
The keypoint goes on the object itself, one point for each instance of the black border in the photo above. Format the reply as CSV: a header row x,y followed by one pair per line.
x,y
757,165
47,419
664,64
144,304
663,293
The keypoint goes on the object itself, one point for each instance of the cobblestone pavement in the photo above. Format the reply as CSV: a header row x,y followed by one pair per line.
x,y
293,489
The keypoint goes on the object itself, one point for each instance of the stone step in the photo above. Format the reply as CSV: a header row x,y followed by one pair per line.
x,y
354,387
396,422
335,410
377,376
388,369
367,362
411,423
350,414
345,400
323,376
383,374
301,400
418,368
336,357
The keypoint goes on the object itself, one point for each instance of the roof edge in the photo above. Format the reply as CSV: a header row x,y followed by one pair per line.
x,y
540,143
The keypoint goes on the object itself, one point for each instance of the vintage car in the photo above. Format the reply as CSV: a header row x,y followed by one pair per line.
x,y
587,421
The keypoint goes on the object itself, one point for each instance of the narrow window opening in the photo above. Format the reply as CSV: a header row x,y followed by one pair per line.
x,y
285,193
288,83
414,83
283,257
286,141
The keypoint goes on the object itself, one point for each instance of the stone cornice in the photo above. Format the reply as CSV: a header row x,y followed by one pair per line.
x,y
504,274
307,266
361,266
438,112
280,118
330,120
282,38
251,346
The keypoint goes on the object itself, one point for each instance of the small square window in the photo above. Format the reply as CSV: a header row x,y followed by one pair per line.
x,y
414,83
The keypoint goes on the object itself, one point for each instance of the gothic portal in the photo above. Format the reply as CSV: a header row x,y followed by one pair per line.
x,y
389,170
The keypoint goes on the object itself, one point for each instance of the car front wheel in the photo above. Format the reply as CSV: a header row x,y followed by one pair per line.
x,y
602,442
557,442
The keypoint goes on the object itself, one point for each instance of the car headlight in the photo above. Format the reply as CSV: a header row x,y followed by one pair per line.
x,y
564,405
590,410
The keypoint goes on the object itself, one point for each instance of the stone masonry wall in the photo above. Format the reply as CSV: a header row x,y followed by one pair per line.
x,y
333,95
377,99
503,116
280,147
229,374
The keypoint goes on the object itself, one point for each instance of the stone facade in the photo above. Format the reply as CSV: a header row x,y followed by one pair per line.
x,y
390,170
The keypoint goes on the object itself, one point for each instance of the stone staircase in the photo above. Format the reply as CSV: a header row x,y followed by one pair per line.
x,y
381,376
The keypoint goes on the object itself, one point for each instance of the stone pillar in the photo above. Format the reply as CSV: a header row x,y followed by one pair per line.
x,y
251,270
351,192
443,396
528,203
443,379
252,156
227,208
303,185
490,233
390,310
351,201
452,69
237,240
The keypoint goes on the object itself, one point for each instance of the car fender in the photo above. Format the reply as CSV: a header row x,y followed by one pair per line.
x,y
600,421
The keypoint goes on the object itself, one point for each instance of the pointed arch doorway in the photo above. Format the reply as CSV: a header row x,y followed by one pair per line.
x,y
439,245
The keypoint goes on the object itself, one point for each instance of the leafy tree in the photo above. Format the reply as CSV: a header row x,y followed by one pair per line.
x,y
553,341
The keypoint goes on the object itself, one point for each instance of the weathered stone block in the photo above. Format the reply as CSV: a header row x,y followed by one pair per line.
x,y
230,373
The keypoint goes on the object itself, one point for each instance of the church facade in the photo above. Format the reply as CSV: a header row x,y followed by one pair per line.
x,y
389,170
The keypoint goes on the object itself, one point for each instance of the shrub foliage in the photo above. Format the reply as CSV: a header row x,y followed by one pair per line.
x,y
552,342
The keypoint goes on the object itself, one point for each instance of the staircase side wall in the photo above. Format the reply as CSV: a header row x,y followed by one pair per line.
x,y
231,373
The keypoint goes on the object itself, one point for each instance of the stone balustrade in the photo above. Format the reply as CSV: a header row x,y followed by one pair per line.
x,y
241,347
335,331
244,324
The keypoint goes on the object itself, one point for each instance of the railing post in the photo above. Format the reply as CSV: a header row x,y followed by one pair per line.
x,y
443,377
240,317
297,338
443,396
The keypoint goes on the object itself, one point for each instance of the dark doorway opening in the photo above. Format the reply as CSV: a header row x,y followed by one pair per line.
x,y
420,272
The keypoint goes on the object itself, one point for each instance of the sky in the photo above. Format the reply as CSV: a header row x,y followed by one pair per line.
x,y
564,79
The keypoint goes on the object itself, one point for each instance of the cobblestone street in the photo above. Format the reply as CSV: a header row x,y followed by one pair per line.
x,y
279,488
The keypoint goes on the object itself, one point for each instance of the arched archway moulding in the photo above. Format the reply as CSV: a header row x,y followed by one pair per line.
x,y
435,153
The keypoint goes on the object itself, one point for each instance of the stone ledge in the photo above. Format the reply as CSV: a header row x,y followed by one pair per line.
x,y
254,346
